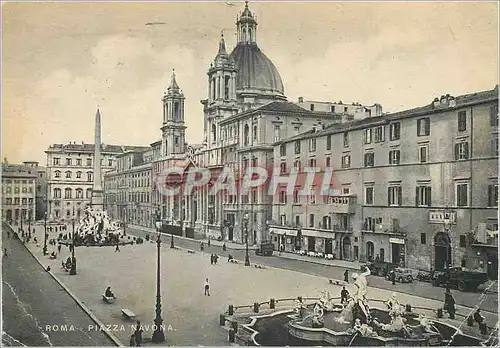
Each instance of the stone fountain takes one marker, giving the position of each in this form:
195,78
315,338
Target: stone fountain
328,322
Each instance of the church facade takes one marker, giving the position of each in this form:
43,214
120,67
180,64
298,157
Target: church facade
245,113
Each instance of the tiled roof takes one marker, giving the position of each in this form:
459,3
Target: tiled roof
282,107
18,170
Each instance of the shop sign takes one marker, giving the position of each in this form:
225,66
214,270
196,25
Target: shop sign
440,216
396,240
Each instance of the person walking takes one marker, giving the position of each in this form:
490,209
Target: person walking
59,246
224,247
208,241
207,287
216,258
117,247
211,259
138,334
344,294
449,303
346,276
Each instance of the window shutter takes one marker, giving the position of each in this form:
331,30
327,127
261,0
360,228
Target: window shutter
490,195
429,195
398,158
389,196
400,195
419,122
417,196
390,157
493,116
456,151
427,126
466,150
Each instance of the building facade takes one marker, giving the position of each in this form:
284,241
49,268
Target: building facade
18,192
127,189
417,187
41,189
70,176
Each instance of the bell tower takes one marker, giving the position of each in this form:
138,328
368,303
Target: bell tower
173,127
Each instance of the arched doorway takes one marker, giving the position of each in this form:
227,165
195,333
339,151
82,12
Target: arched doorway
346,248
370,251
382,255
442,250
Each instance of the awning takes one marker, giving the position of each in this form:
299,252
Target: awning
283,231
318,234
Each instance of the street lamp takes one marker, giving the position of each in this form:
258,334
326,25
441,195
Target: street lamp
245,221
124,222
29,224
22,230
158,334
45,234
72,271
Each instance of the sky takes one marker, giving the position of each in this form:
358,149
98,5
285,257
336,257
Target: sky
62,60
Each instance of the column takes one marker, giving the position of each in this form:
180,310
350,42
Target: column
209,89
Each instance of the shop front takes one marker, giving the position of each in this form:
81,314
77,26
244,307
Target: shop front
397,251
284,239
320,241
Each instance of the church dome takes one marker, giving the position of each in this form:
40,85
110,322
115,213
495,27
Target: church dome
256,72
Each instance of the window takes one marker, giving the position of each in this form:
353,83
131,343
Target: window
346,139
346,190
395,131
494,115
394,195
494,146
282,219
345,109
312,162
24,201
493,195
254,162
296,164
78,175
312,145
246,136
79,193
67,193
226,87
369,224
296,196
327,161
296,130
176,141
379,134
311,107
394,157
277,133
423,196
89,176
329,142
369,195
254,133
463,241
423,238
78,161
68,174
462,197
8,201
369,159
423,127
462,121
297,147
332,108
16,201
346,161
368,136
254,196
311,220
89,161
282,197
461,151
57,174
282,167
56,161
68,161
423,153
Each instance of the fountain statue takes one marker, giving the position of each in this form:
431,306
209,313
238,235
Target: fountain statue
317,319
357,305
396,312
326,302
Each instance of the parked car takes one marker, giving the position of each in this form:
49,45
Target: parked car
425,276
459,278
265,249
381,268
403,275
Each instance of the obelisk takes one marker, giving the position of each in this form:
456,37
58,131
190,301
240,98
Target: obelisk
97,198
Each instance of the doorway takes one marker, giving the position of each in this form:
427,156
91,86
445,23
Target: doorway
382,255
442,251
311,244
396,253
346,248
370,251
328,246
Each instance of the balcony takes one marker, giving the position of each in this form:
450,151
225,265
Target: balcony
342,204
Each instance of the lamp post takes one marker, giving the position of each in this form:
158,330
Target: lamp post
29,224
158,334
125,222
22,230
72,271
245,221
45,234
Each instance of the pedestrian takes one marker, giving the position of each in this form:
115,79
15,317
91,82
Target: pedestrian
344,294
208,241
5,252
393,277
117,247
138,334
346,276
215,259
211,259
59,246
207,287
132,340
224,247
478,318
202,246
449,303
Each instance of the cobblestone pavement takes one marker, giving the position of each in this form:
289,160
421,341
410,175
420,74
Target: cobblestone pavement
469,299
36,310
190,317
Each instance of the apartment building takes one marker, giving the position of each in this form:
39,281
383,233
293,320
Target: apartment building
417,187
18,192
